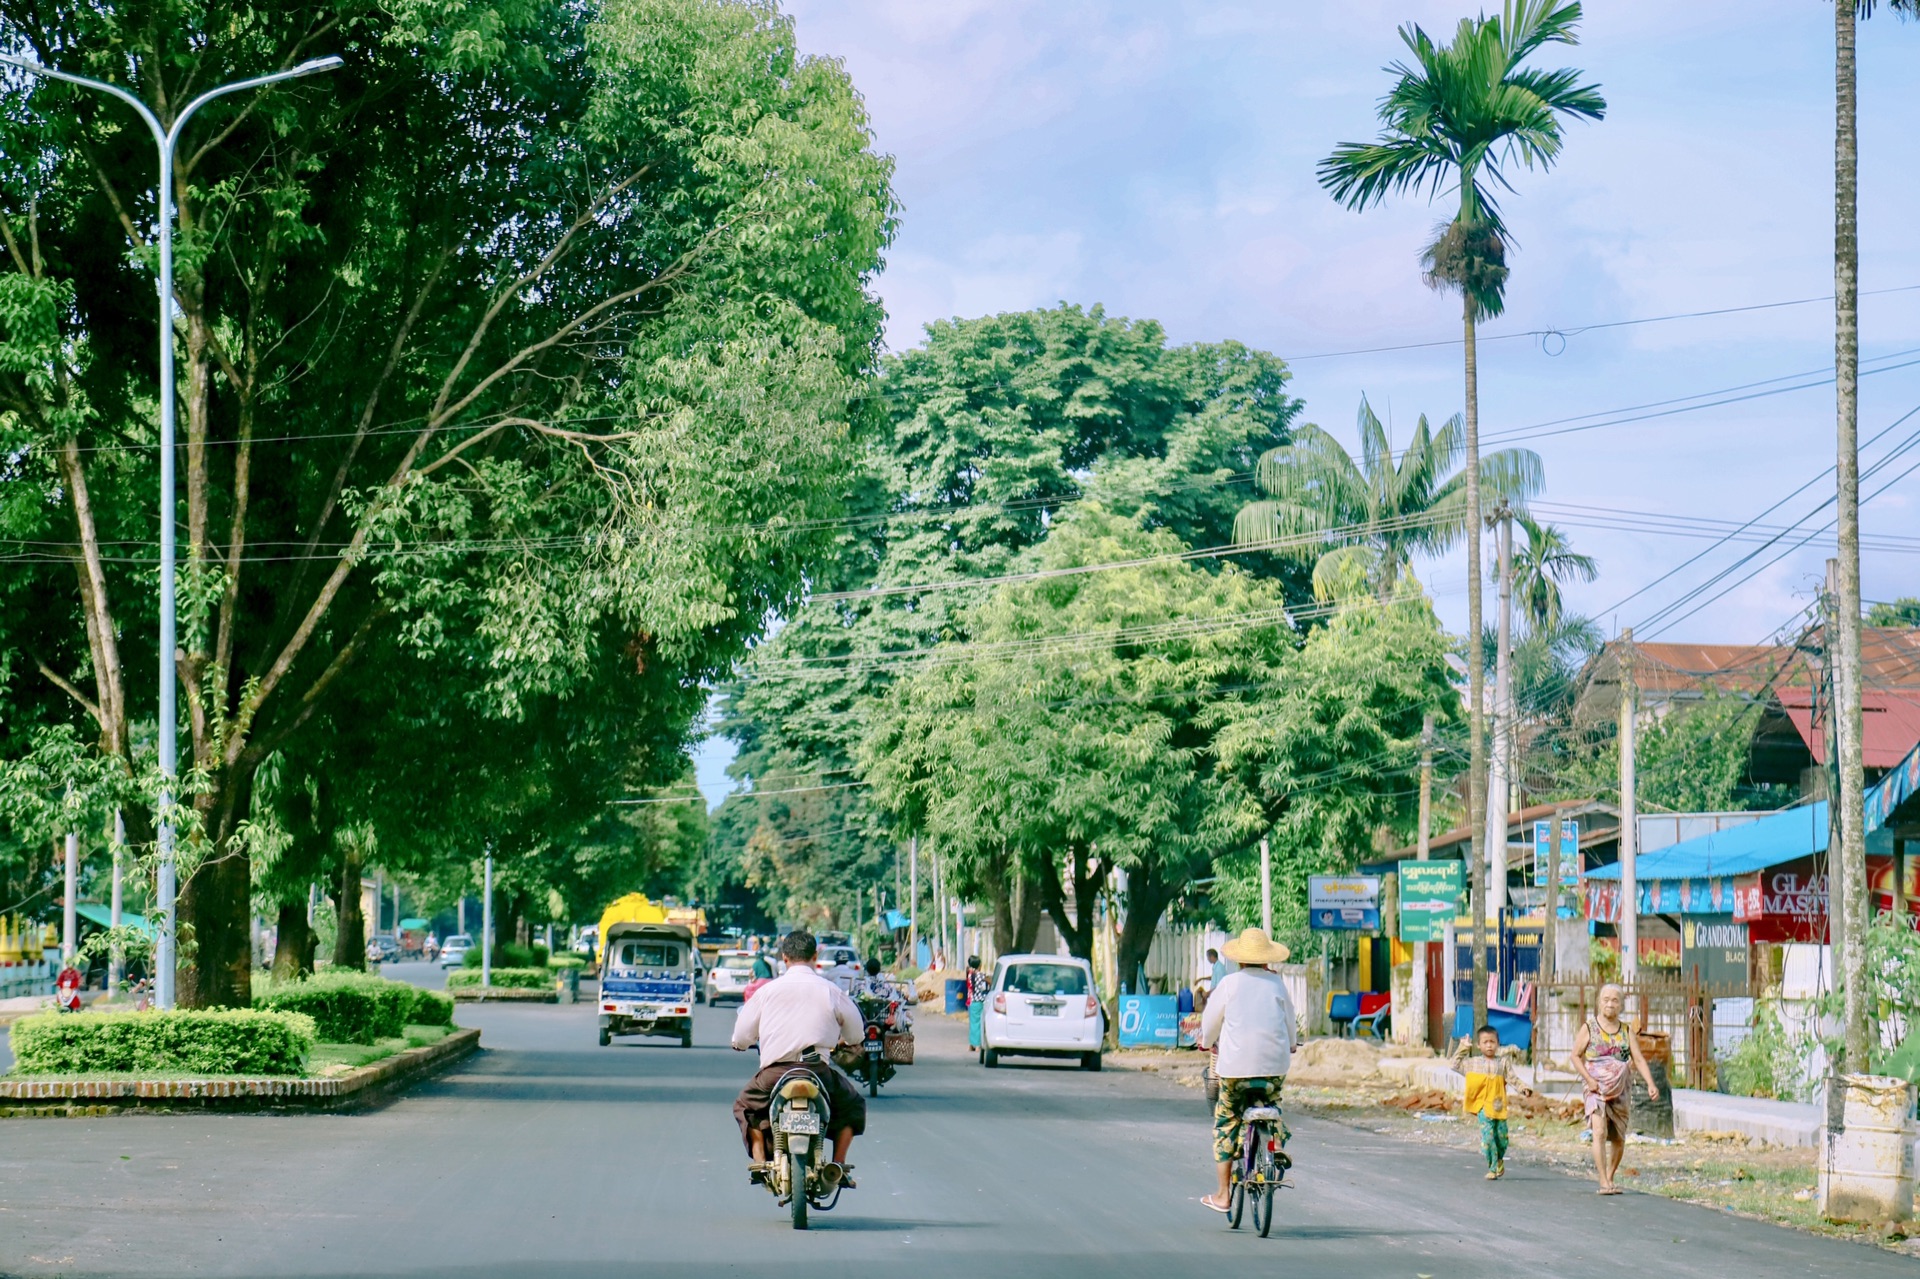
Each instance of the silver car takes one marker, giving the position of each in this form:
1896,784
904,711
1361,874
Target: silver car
453,951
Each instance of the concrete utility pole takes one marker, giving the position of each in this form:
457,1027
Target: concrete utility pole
70,908
1629,926
913,901
1827,703
1550,934
1844,644
1418,1019
1266,887
116,955
1499,784
167,137
486,925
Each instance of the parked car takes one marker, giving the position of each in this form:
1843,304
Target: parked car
727,979
453,951
1042,1006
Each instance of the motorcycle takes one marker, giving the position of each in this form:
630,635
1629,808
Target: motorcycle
797,1149
867,1062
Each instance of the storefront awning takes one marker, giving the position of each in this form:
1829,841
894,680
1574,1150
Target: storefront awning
1739,850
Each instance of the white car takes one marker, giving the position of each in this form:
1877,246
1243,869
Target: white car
729,977
1042,1006
453,951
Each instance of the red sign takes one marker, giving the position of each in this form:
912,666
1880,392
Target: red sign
1793,904
1748,900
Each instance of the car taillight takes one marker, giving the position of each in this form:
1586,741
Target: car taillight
1000,1003
1093,1006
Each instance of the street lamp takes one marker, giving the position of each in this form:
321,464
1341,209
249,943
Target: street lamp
166,138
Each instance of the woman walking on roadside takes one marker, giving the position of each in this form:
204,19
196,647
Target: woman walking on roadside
978,985
1604,1054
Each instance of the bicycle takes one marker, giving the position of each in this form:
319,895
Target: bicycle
1261,1170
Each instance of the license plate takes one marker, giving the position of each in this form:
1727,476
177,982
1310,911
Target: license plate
1046,1010
800,1121
645,1010
873,1048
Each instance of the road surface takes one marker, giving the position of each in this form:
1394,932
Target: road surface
549,1156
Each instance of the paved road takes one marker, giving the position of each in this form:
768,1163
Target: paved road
550,1156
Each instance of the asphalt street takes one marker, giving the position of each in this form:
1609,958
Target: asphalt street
547,1155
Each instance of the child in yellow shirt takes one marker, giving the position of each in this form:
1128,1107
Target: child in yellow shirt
1488,1075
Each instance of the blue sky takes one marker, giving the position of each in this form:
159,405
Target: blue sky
1158,158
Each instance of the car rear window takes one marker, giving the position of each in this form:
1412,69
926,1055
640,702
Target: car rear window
739,963
647,954
1046,979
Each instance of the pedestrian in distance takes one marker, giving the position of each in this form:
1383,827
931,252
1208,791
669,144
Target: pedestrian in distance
1605,1052
978,986
1216,967
1250,1020
1488,1070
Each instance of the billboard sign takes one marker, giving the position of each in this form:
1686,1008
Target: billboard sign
1429,897
1344,903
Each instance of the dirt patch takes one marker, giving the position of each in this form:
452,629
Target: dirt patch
1335,1062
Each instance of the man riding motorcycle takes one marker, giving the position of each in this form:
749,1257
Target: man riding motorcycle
797,1019
1250,1020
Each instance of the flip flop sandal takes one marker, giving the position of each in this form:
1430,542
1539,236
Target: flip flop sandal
1208,1203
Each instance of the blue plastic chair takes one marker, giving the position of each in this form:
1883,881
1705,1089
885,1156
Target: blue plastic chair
1342,1012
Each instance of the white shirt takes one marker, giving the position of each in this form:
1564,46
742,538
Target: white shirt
1250,1016
794,1012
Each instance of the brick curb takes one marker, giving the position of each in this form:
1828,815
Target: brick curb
65,1098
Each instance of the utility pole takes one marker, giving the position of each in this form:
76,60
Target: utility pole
117,955
1499,785
1266,888
1629,926
1418,1018
913,900
1550,929
70,908
486,925
1844,644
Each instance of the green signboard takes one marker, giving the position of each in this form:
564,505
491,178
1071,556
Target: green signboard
1429,896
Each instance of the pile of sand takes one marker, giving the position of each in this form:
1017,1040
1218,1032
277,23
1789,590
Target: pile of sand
1335,1061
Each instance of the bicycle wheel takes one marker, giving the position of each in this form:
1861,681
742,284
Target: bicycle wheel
1268,1191
1236,1204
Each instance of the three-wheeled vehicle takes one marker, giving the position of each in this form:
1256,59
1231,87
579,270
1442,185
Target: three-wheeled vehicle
647,981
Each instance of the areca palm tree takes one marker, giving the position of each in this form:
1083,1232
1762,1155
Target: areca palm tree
1459,115
1851,870
1547,560
1362,520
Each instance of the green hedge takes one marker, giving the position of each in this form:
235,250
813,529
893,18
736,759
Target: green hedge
235,1041
509,955
505,978
561,962
358,1008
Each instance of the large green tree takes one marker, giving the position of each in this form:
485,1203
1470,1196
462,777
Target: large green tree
523,345
1460,114
991,430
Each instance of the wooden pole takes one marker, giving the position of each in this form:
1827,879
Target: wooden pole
1629,927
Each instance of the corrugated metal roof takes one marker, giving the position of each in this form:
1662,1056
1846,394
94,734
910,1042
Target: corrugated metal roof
1781,837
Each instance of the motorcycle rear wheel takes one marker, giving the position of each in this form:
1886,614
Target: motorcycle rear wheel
797,1183
873,1076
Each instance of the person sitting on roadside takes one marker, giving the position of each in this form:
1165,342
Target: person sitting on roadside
1250,1020
797,1020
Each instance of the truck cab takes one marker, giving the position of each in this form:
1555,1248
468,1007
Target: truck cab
647,980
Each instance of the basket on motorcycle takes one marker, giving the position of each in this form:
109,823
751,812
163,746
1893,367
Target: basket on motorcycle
898,1048
849,1057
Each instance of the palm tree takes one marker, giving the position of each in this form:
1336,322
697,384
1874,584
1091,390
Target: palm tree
1547,560
1363,521
1851,866
1457,115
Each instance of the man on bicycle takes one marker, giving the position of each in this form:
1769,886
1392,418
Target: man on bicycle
1249,1021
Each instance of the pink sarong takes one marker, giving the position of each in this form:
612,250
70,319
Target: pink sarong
1609,1101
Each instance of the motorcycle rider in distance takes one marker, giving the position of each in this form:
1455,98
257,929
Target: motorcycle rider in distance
797,1019
883,987
1250,1019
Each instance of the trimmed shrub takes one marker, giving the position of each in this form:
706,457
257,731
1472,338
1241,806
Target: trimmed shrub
504,978
347,1008
430,1008
560,963
226,1041
509,954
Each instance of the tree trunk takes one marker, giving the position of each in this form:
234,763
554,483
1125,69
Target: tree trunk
215,966
1147,901
350,937
1084,878
1002,914
1476,669
293,943
1845,644
1026,917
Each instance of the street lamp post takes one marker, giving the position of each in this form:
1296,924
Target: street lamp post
166,138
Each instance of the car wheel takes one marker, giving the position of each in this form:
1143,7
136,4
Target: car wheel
1090,1061
990,1057
606,1036
686,1037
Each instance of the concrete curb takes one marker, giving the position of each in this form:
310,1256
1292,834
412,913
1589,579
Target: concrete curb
81,1098
502,995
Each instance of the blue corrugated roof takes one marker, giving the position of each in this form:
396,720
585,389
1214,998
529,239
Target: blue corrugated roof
1797,832
897,921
